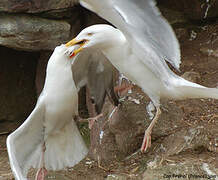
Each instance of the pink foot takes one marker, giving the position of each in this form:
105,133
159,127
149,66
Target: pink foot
123,89
146,142
41,173
93,119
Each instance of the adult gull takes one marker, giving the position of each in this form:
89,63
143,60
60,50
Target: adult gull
139,47
49,138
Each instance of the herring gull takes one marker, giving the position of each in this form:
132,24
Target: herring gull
49,138
139,47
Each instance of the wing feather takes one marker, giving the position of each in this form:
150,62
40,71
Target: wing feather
94,70
24,144
147,32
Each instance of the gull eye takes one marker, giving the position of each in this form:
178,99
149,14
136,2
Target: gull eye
90,34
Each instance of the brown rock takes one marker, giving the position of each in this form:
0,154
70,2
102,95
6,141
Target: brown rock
103,145
123,133
33,6
32,33
194,9
209,52
192,76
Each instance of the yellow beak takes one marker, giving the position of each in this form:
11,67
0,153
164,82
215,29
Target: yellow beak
73,42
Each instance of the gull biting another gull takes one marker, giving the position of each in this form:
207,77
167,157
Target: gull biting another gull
49,138
94,71
139,47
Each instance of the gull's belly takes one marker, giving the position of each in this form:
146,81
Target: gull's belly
61,103
138,73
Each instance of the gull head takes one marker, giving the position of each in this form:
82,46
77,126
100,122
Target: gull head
99,36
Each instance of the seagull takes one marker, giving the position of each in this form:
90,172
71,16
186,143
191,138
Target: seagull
49,138
139,46
93,70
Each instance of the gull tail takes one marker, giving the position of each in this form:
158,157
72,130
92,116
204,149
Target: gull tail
64,148
183,89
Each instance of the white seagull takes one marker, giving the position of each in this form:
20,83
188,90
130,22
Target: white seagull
49,138
139,49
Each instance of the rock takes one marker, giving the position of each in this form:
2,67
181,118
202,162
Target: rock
34,6
122,135
103,147
55,176
31,33
181,33
132,120
41,70
186,170
187,138
17,92
61,13
194,9
192,76
209,52
116,177
172,16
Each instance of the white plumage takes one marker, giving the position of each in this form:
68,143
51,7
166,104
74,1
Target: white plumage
50,123
139,49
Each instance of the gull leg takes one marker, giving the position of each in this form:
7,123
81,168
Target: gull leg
100,166
93,119
123,89
41,173
90,104
90,120
147,137
91,108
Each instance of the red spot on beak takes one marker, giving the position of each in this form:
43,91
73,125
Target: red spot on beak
72,55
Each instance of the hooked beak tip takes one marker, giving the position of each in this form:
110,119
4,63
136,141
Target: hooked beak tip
71,43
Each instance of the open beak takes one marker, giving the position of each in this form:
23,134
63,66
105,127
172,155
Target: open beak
73,42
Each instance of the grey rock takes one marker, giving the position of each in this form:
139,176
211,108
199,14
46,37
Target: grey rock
69,13
31,33
33,6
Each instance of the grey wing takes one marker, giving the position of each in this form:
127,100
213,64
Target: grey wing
24,144
149,34
101,80
80,69
93,70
